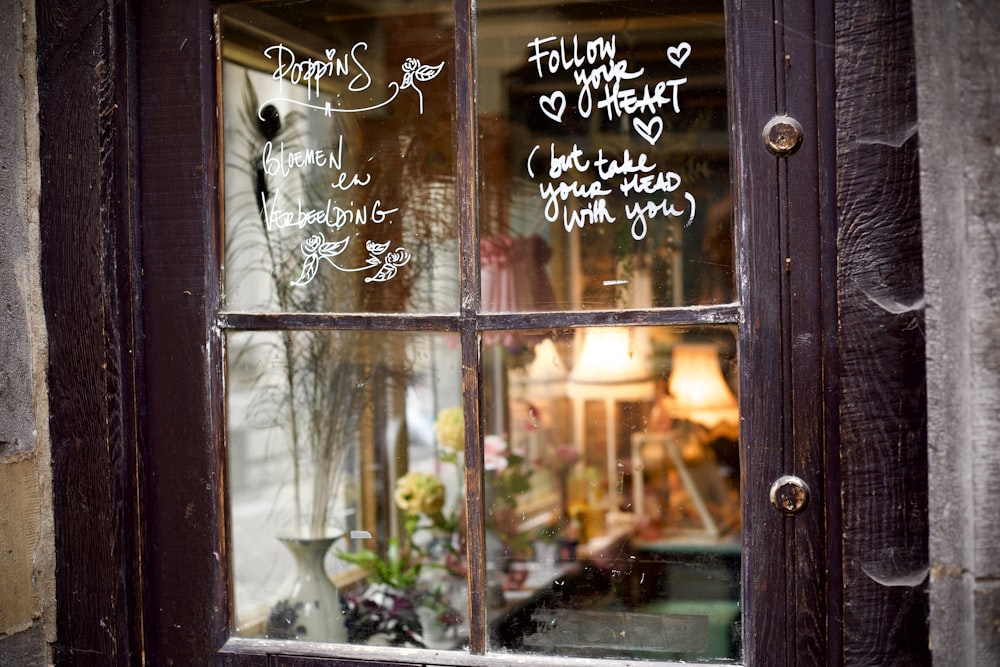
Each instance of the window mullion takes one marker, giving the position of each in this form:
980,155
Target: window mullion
466,188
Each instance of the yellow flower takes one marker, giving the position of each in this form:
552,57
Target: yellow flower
419,493
450,428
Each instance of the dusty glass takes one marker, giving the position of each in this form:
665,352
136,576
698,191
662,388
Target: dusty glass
612,487
604,155
353,437
611,454
339,170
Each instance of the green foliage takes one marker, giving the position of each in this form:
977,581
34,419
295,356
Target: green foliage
400,568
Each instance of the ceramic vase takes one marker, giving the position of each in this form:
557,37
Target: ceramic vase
309,608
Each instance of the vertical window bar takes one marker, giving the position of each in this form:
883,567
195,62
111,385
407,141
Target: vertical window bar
474,510
466,171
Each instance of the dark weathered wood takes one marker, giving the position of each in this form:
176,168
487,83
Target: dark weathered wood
826,125
786,218
803,225
725,314
87,239
752,103
266,321
185,557
880,290
467,191
224,659
89,248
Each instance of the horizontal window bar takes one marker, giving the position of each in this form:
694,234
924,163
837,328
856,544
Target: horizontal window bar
692,315
359,321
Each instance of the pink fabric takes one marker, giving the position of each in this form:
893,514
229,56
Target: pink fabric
513,274
513,279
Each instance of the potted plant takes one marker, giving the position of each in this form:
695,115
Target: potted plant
399,604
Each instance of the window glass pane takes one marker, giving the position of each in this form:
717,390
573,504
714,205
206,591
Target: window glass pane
338,157
604,155
612,486
331,434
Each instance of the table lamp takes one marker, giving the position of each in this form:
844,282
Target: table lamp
699,392
701,404
608,368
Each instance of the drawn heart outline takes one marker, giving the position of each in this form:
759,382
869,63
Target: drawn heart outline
650,131
553,105
678,54
331,54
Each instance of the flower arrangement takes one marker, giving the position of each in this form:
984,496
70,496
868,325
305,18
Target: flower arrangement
449,429
508,476
421,495
382,611
391,604
410,583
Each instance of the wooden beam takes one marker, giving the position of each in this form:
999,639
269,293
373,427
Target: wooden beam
880,293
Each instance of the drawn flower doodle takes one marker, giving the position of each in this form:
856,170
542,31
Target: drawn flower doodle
414,70
375,249
314,249
390,265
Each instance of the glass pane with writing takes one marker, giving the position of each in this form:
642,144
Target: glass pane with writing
338,157
604,155
351,441
612,487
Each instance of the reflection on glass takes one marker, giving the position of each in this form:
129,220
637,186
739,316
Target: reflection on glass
332,435
612,478
604,155
338,159
611,454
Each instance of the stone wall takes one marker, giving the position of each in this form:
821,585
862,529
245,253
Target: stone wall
958,84
27,604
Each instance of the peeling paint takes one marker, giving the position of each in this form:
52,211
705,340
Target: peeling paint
909,579
892,139
893,305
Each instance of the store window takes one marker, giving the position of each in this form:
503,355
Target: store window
481,327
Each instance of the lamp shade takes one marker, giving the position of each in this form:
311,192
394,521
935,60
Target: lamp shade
700,393
545,376
610,366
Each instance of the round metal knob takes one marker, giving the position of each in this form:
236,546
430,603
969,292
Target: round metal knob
789,495
782,135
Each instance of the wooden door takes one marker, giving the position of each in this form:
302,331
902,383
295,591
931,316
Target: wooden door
792,360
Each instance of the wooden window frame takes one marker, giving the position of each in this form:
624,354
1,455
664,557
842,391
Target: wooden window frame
468,322
130,368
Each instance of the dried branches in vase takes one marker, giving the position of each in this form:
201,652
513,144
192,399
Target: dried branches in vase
319,386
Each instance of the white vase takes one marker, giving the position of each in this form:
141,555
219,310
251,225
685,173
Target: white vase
309,608
435,633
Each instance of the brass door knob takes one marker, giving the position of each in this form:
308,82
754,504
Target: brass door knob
782,135
789,495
